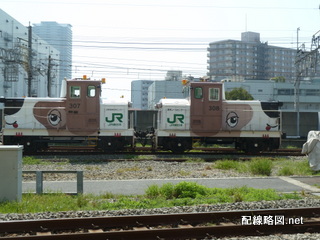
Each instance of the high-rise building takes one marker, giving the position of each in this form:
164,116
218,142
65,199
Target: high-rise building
174,75
59,36
249,59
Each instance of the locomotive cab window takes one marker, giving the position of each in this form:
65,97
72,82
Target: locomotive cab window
91,91
214,94
75,91
198,93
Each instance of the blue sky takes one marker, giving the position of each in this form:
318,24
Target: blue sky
125,40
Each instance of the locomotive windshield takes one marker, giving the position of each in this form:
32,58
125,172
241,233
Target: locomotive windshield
214,94
75,91
91,91
198,92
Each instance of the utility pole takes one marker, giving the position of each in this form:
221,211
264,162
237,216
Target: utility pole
49,77
29,60
306,66
297,89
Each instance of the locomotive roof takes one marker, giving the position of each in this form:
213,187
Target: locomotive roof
206,83
119,101
174,101
82,80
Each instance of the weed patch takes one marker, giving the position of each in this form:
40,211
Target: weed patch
261,166
286,171
227,165
294,167
268,167
167,195
29,160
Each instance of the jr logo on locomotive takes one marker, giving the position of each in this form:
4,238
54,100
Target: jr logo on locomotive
115,118
175,118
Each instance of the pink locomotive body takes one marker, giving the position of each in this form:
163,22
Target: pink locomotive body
79,116
208,118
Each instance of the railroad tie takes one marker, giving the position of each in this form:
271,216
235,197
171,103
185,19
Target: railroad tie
227,224
43,233
140,228
185,226
95,230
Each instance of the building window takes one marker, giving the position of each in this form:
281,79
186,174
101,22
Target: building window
285,91
312,92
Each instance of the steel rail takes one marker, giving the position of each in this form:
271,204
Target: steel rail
201,151
106,225
181,233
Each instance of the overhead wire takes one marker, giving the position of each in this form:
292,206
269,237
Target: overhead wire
163,44
183,5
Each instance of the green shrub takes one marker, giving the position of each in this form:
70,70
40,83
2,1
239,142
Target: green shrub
180,190
295,167
260,167
286,171
166,191
227,164
189,190
303,168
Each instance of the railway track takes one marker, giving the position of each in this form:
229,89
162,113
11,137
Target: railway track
147,151
168,226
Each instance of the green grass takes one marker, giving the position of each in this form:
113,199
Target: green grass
291,167
268,166
228,165
167,195
261,167
30,160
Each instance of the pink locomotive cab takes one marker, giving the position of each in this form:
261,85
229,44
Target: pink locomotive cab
206,108
75,113
82,107
252,126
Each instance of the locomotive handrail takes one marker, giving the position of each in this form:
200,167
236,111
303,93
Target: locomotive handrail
39,178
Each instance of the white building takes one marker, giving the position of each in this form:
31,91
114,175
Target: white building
139,93
164,89
20,66
309,97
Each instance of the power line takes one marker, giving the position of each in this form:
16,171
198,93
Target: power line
103,3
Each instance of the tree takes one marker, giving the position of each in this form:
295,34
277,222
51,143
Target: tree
279,79
238,94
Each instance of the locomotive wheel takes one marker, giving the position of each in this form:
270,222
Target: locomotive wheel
178,145
177,148
111,144
253,146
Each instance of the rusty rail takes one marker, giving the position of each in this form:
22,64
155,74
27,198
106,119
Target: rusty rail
197,151
165,226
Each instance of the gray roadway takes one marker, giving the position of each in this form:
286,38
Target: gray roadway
129,187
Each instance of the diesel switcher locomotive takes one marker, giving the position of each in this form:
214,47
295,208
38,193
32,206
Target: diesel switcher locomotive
81,116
